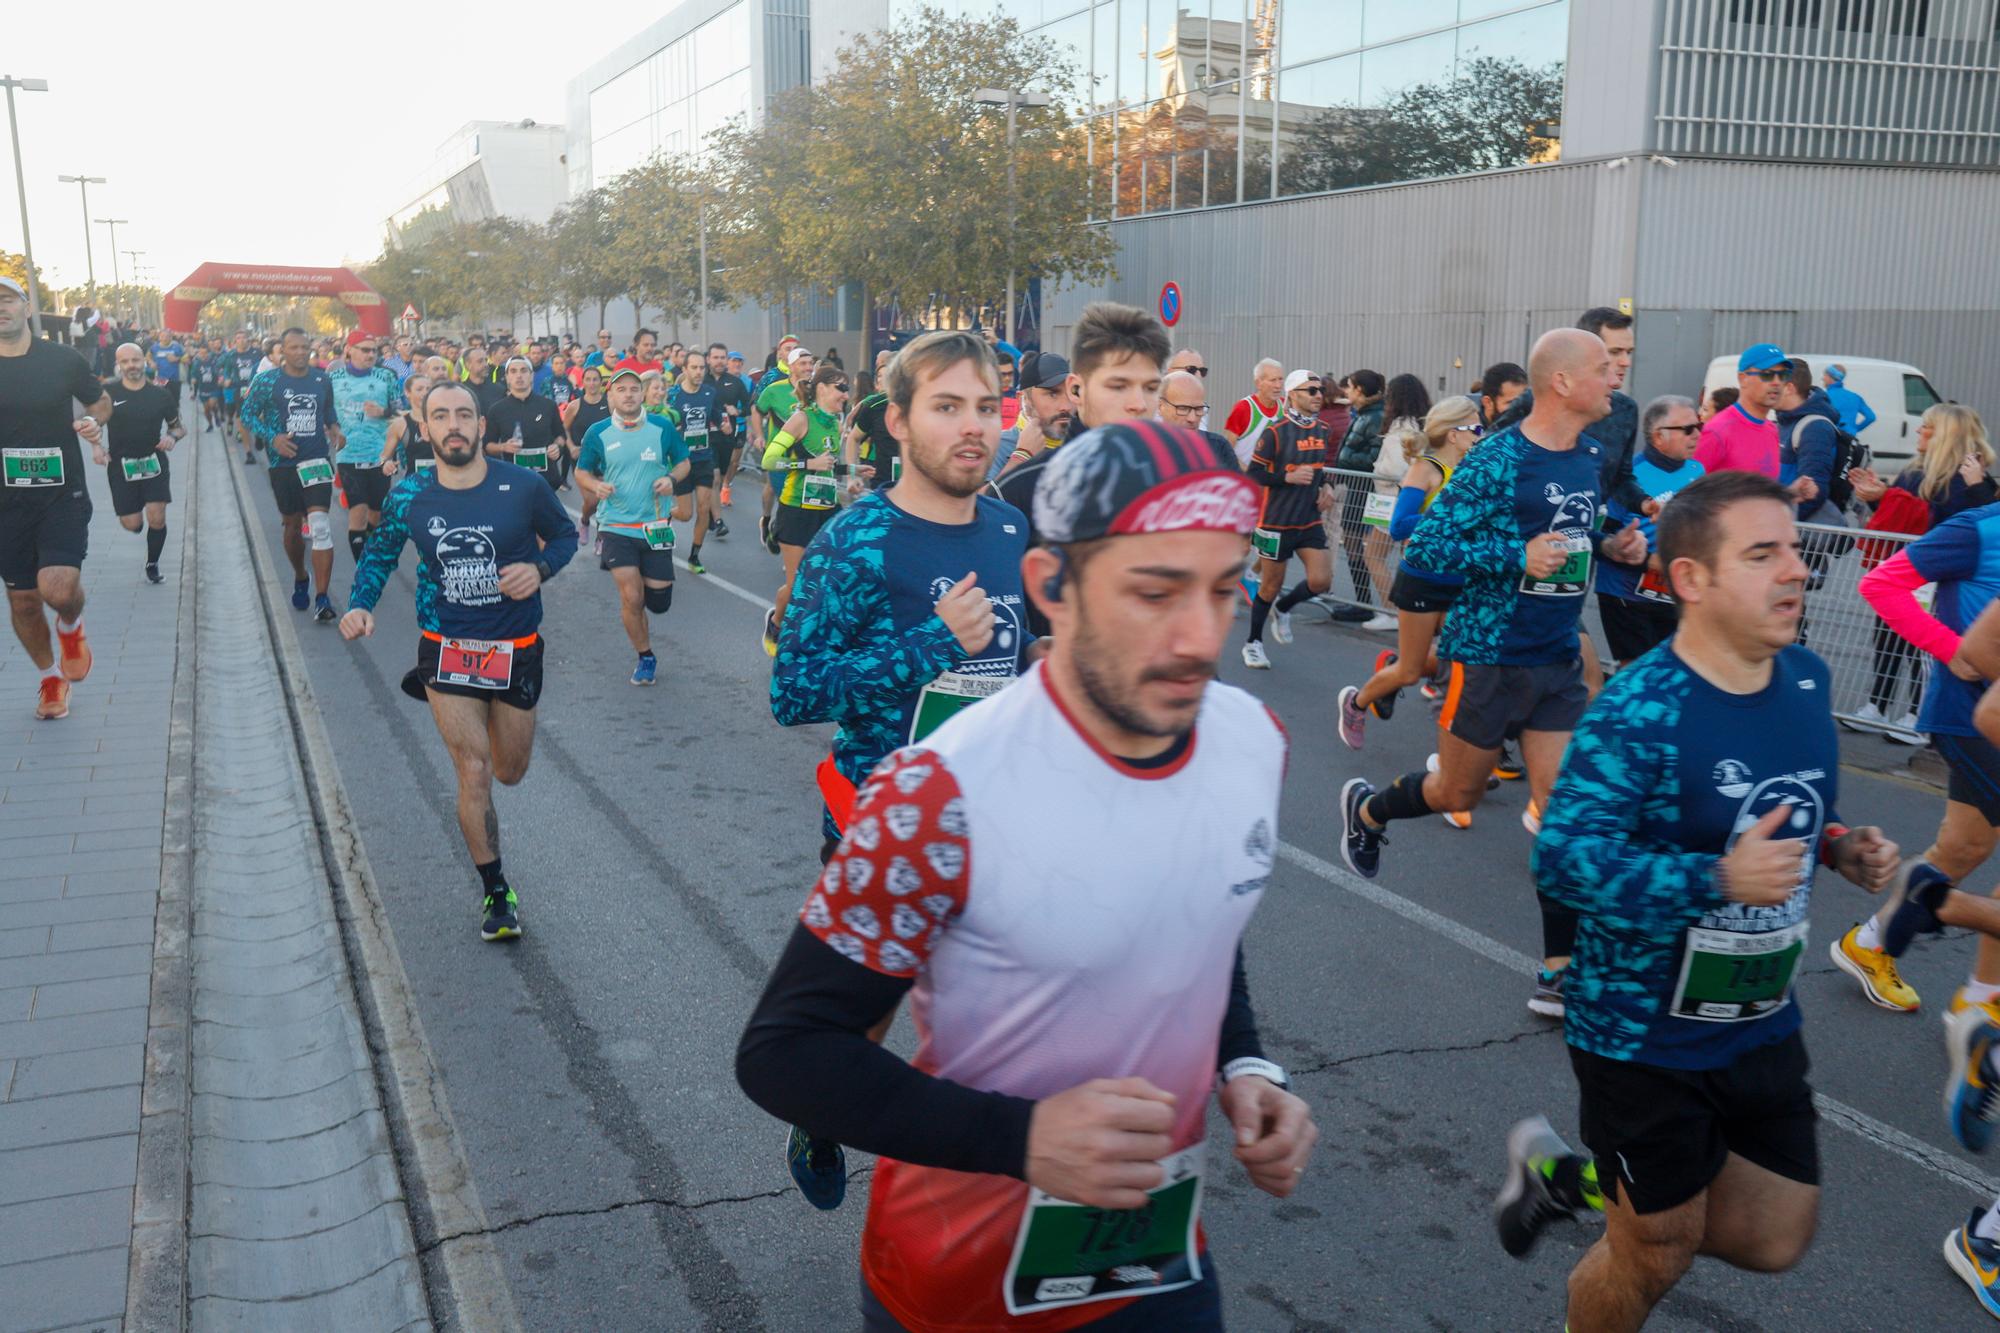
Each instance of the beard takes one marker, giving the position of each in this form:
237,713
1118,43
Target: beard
939,473
1117,701
455,450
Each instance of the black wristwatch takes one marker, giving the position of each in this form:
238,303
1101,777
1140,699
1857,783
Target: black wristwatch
543,568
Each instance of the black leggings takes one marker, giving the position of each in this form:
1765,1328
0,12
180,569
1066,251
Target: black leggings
1893,653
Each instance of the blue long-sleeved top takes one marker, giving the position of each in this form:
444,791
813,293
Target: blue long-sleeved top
1808,444
1853,409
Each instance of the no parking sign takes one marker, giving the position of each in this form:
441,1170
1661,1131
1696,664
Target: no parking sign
1170,304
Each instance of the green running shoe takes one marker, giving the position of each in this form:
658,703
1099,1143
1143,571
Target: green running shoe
502,915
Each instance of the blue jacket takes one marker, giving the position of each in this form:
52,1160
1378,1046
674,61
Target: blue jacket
1805,450
1852,409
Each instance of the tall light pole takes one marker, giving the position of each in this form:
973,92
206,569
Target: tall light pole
84,183
9,82
114,224
139,304
1011,99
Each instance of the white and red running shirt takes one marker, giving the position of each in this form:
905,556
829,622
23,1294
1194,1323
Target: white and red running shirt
1067,916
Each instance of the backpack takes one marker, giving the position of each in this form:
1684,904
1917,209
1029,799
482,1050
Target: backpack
1848,452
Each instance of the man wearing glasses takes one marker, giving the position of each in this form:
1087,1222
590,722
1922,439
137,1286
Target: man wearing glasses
1189,360
365,395
601,354
1633,602
1184,397
1744,435
1290,462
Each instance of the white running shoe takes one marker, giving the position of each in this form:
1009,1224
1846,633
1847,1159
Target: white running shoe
1253,656
1380,622
1904,731
1281,627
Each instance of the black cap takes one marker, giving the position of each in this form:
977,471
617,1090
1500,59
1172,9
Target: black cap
1043,370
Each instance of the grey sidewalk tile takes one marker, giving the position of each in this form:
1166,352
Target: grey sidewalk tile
104,881
73,1225
17,1005
101,934
224,1162
28,837
138,860
49,759
141,814
15,943
79,1032
27,808
294,1210
98,907
73,1289
23,791
27,890
71,1117
79,965
110,839
78,1071
68,1168
90,997
276,1269
118,805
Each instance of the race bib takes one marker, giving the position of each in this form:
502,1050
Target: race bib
138,469
1731,977
1067,1254
821,491
535,460
1377,510
315,472
948,694
1266,543
659,534
1571,579
33,467
895,469
479,663
427,464
1653,587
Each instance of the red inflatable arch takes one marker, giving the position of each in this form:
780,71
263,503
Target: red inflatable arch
183,304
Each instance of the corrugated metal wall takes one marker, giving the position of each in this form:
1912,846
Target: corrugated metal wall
1443,277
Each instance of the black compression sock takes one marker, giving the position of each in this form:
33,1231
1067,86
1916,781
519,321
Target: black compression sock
489,875
1260,611
1299,592
1401,799
356,539
156,542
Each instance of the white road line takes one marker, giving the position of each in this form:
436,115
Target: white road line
713,580
1884,1136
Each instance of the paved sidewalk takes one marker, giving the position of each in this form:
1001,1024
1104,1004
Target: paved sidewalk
81,807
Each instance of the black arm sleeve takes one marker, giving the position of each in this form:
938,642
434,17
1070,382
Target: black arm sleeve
1239,1020
805,1057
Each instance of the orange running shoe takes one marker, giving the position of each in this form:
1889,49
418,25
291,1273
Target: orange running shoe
75,653
54,702
725,495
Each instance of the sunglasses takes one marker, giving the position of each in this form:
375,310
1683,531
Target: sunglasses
1196,370
1767,375
1681,430
1472,428
838,386
1310,388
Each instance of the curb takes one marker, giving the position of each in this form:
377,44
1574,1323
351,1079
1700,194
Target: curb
156,1295
462,1266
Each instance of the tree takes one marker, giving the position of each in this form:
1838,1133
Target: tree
1480,120
15,266
584,271
654,221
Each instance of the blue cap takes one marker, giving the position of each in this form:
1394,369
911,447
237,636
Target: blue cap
735,356
1764,356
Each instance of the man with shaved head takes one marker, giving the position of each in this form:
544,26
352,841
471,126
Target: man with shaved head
1520,525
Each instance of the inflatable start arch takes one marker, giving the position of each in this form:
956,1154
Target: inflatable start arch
183,304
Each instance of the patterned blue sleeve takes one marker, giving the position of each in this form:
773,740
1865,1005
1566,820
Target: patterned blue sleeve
385,545
260,406
1470,527
1621,766
839,654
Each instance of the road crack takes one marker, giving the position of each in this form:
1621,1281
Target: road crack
1323,1066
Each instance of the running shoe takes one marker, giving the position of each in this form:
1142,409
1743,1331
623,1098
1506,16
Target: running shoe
1547,999
1281,627
248,458
1458,819
1977,1260
694,561
1360,845
1531,819
153,574
1525,1206
73,653
1381,623
1918,892
53,703
819,1168
723,495
1353,721
502,915
771,632
1876,971
1351,615
1254,656
1432,691
1508,766
1971,1095
647,669
301,594
770,527
1385,707
719,528
323,610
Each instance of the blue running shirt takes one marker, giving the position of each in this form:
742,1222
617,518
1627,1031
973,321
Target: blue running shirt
1962,556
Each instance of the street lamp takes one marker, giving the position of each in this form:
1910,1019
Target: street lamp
84,183
114,224
10,83
139,305
1011,99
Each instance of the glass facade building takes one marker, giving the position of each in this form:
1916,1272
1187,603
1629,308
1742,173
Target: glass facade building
675,98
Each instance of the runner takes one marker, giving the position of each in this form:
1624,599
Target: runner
145,423
642,358
1248,420
1063,1065
203,369
1699,792
476,523
167,353
1520,524
872,457
585,411
44,502
1289,461
364,402
602,354
776,402
803,454
524,428
292,408
629,464
406,452
732,398
477,371
697,402
908,608
239,369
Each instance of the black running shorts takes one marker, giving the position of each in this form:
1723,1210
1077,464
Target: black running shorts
132,497
794,526
294,499
522,693
42,534
365,485
701,472
619,549
1418,593
1661,1136
1633,628
1974,765
1484,704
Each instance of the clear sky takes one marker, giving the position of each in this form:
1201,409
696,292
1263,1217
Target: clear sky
261,133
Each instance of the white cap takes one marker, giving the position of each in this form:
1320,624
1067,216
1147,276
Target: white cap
1298,379
14,287
795,354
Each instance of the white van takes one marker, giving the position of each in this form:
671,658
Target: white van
1899,393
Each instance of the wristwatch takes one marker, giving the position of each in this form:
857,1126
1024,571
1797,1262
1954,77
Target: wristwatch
1250,1064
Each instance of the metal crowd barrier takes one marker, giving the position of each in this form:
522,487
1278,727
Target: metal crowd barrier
1870,663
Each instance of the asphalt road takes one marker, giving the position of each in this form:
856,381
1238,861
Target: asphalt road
662,845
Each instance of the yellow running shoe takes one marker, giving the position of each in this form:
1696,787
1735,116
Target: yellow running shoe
1959,1003
1876,971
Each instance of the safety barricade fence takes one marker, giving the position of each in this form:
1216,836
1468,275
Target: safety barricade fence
1878,678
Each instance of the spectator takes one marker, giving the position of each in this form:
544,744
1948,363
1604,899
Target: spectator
1357,454
1717,399
1191,361
1499,389
1405,405
832,358
1010,397
1183,399
1252,416
1745,437
1853,410
1333,412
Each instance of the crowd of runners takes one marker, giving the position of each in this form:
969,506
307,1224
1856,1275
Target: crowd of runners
998,572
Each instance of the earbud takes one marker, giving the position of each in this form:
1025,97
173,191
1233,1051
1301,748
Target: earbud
1052,588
